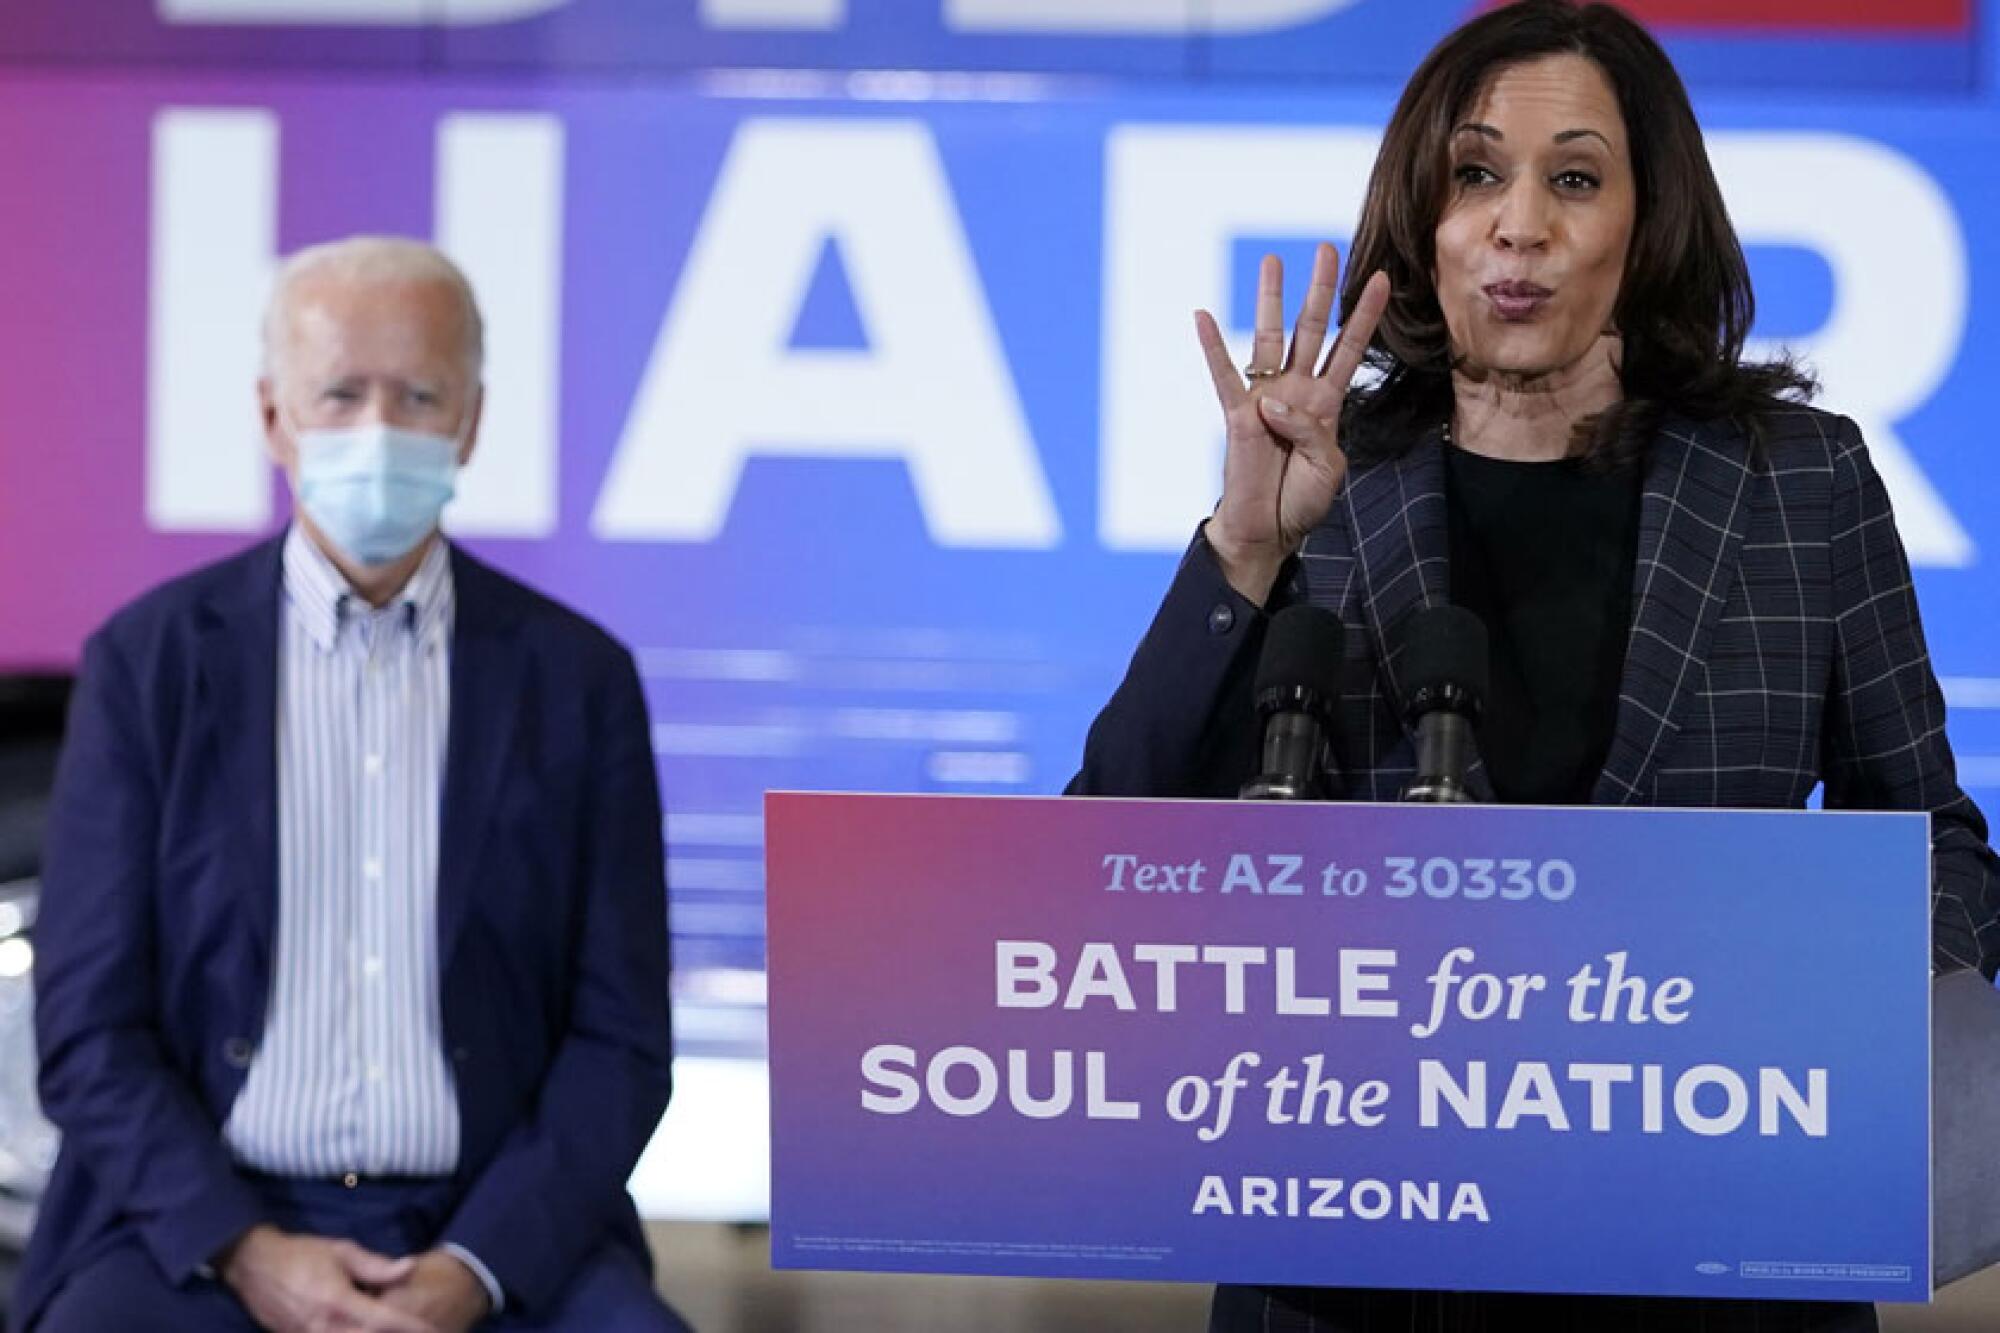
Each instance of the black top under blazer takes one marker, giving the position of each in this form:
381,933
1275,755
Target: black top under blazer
1774,645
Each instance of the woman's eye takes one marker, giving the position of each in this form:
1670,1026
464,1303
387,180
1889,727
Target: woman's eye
1472,174
1576,180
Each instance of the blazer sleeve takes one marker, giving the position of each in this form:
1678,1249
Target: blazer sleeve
545,1199
125,1110
1884,740
1183,722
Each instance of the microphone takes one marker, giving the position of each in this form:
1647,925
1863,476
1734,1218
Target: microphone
1444,671
1298,691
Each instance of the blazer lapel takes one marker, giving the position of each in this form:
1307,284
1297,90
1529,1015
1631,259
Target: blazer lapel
1400,527
238,671
1692,516
488,669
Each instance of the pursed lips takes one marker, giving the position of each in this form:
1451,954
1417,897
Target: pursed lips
1517,300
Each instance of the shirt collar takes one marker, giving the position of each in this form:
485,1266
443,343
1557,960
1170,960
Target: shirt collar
322,598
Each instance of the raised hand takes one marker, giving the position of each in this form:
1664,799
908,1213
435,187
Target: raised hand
1283,466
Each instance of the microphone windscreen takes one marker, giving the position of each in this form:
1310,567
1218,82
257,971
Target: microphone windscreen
1443,649
1304,650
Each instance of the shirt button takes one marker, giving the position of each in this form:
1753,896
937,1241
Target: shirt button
237,1052
372,765
1222,618
374,1073
372,867
372,966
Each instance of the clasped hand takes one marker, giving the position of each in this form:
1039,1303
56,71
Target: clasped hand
312,1284
1283,465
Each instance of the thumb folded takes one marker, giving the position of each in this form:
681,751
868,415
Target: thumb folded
1288,421
377,1270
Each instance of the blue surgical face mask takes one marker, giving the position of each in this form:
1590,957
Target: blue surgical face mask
375,490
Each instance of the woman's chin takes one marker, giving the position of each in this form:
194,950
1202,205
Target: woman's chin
1526,358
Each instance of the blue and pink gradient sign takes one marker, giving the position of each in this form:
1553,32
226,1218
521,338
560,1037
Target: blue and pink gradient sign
1631,1052
1925,46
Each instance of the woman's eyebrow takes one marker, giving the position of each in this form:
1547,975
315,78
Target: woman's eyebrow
1485,131
1568,135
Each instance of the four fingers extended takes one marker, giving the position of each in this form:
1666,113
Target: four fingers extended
1269,355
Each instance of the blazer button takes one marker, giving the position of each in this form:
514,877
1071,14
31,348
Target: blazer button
237,1052
1222,619
460,1054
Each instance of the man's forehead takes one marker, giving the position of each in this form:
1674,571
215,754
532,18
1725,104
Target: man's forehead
344,300
336,316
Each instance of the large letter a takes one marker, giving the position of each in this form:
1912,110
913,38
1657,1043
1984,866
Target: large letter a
931,389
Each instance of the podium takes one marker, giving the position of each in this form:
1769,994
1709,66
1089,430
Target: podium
1965,1126
1639,1052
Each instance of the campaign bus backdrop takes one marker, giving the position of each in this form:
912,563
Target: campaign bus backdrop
840,357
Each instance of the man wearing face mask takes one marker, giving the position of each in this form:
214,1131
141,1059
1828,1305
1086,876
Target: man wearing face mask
352,980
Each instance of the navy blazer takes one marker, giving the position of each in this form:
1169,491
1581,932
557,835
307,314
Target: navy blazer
155,939
1774,645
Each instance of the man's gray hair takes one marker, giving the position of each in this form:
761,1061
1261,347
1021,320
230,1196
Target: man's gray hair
369,259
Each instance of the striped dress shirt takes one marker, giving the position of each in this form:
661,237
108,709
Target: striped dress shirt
351,1076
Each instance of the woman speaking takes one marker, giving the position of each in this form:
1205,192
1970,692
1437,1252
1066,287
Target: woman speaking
1691,582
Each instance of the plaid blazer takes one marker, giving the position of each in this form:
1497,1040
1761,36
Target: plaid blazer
1774,646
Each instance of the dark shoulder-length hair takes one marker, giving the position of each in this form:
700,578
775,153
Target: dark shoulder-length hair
1684,305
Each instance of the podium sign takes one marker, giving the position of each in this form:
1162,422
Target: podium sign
1665,1052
